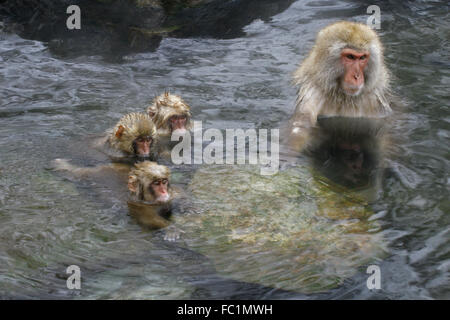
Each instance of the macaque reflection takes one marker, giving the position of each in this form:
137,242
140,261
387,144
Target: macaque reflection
348,150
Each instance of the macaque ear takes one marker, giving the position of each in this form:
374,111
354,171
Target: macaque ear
120,131
132,184
151,114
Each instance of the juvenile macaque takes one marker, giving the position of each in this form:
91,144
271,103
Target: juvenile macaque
151,197
134,136
170,113
149,182
343,75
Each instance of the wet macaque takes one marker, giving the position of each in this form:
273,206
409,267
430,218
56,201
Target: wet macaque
149,182
134,135
151,197
170,113
343,75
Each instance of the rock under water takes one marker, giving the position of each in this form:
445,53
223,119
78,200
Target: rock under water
287,231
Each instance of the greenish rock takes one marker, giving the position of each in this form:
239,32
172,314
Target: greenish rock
289,231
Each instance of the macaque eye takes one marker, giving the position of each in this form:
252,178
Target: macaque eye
144,139
363,57
351,57
174,118
156,182
165,181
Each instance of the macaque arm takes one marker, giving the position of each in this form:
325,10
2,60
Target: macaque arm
299,130
147,215
65,165
172,233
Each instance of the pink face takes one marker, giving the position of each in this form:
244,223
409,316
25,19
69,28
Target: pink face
160,191
178,122
354,63
143,146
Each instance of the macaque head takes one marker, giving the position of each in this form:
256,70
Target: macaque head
354,63
134,135
170,114
149,182
346,60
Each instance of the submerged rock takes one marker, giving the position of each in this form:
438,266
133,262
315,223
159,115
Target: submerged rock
287,231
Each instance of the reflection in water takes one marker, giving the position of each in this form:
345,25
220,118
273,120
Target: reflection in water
348,151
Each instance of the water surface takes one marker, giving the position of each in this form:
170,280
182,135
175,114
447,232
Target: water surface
48,222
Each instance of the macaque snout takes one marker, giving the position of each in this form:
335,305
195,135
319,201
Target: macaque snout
354,63
160,190
353,156
143,146
178,123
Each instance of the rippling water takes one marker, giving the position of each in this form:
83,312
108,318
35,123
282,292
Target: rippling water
46,103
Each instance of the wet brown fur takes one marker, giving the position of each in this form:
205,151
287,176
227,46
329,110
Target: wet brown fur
165,106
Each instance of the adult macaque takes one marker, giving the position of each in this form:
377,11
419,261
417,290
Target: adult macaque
134,136
343,75
170,113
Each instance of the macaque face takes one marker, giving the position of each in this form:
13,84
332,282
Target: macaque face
354,63
352,156
142,146
178,123
159,188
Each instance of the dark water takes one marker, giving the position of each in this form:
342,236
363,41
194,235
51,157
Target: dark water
48,223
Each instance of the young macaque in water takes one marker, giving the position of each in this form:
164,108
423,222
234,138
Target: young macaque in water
132,138
343,75
171,115
151,197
